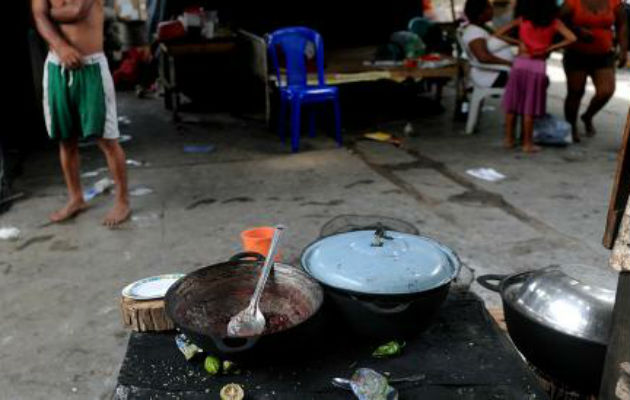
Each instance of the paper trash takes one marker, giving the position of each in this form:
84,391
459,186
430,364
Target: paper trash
486,174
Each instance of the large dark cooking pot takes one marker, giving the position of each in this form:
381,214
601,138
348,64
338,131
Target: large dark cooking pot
384,283
559,318
202,303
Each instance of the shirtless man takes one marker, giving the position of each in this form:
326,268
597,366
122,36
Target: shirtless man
79,98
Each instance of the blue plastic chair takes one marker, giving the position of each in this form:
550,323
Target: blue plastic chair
295,91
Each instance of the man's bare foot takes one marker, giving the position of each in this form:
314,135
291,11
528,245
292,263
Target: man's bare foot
588,125
509,143
69,211
532,149
117,215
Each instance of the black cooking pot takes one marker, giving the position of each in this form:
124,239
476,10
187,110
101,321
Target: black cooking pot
202,303
559,318
384,283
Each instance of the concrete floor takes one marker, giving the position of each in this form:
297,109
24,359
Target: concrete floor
61,332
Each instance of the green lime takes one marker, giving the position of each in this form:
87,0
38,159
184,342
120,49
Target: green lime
212,365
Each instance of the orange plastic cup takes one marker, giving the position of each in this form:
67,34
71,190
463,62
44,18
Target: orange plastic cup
258,240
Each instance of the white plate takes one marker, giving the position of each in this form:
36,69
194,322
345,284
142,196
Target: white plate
154,287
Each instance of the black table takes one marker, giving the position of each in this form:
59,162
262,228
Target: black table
463,355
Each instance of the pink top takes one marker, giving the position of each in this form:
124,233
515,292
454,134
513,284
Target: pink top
537,38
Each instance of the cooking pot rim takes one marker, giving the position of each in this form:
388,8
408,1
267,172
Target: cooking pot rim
522,277
236,264
451,254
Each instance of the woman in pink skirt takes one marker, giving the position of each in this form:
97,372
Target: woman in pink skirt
526,90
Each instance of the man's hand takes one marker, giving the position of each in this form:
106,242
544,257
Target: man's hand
69,56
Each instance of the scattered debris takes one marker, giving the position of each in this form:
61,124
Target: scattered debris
9,233
486,174
199,149
99,187
232,391
136,163
188,349
90,174
33,240
140,190
389,349
367,384
124,138
200,202
124,120
212,365
146,219
383,137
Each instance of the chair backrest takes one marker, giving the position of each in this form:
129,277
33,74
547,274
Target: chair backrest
471,58
419,25
460,39
293,42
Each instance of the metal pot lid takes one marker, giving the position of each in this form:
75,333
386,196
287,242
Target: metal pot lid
574,299
380,262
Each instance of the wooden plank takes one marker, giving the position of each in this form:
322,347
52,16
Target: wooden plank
620,192
618,350
145,315
186,49
499,317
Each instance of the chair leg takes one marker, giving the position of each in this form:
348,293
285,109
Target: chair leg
311,122
473,110
282,120
337,110
295,125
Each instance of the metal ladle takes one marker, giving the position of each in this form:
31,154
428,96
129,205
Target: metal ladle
250,321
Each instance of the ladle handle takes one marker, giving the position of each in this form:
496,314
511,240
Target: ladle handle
269,261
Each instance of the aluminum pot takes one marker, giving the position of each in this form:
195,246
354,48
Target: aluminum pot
202,303
559,318
384,283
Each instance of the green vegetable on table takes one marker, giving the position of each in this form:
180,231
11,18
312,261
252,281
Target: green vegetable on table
230,367
212,365
389,349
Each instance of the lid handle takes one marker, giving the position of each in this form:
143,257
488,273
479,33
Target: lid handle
379,236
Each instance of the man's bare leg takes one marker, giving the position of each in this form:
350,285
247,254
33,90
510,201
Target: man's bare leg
116,162
69,156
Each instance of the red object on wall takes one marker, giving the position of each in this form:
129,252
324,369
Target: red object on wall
169,30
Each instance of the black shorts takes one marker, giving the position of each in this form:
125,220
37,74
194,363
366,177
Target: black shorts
575,61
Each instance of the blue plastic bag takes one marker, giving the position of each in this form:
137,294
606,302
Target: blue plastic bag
551,130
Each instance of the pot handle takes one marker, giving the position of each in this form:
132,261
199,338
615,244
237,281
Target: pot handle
485,281
248,256
225,347
383,310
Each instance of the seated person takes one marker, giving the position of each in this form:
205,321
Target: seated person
483,47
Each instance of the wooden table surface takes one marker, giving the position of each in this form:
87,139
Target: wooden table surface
348,65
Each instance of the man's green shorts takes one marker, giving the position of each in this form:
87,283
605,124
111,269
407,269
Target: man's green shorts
80,102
